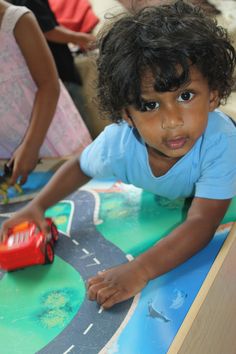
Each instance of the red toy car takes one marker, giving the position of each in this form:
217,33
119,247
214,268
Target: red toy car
26,245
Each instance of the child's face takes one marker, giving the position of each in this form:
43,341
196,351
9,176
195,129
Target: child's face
173,121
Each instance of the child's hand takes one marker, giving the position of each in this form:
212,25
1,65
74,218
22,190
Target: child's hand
28,213
24,160
117,284
85,40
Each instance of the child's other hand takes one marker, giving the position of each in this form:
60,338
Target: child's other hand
28,213
24,160
117,284
86,41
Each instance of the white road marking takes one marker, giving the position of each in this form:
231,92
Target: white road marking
129,257
69,349
100,310
92,264
88,329
87,255
64,233
96,261
69,223
85,251
96,219
75,242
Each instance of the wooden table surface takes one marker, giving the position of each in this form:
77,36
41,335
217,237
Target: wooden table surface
210,326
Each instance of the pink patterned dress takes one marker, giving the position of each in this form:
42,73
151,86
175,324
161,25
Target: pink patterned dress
67,133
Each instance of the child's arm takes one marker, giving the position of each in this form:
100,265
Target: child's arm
66,180
60,34
120,283
42,68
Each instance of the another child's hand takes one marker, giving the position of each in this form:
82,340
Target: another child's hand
85,40
29,213
24,160
117,284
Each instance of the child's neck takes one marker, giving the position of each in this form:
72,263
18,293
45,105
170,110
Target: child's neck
160,164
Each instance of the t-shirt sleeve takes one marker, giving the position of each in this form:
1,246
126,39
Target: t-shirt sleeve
42,11
218,177
94,160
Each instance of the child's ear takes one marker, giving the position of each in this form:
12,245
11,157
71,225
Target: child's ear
127,117
214,100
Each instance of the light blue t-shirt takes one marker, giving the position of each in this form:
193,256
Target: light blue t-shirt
208,170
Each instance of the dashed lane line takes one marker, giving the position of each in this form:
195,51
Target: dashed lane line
88,329
69,349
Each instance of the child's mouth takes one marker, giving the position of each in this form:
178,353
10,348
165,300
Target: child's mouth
177,143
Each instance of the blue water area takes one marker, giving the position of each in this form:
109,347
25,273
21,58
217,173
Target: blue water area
35,182
165,302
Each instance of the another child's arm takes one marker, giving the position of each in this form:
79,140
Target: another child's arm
42,68
124,281
66,180
60,34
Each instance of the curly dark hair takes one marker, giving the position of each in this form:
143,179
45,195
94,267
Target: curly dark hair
161,40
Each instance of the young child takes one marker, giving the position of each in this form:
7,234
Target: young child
162,74
29,90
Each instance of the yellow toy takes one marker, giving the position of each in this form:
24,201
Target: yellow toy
5,185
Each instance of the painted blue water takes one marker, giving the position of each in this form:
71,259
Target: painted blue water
35,182
165,302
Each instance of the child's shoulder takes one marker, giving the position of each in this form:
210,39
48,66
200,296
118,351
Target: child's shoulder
117,140
219,136
119,132
11,15
220,124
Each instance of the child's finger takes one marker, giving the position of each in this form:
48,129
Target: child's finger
2,236
7,225
112,300
104,294
14,177
94,289
23,178
9,165
44,227
94,280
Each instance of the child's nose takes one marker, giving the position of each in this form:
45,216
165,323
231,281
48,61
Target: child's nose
172,119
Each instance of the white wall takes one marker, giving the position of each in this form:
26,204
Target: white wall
101,7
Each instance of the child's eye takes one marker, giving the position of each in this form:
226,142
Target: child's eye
185,96
149,106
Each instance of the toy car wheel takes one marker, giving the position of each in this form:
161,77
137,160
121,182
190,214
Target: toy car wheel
54,232
49,253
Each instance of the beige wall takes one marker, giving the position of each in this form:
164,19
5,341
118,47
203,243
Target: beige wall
102,7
